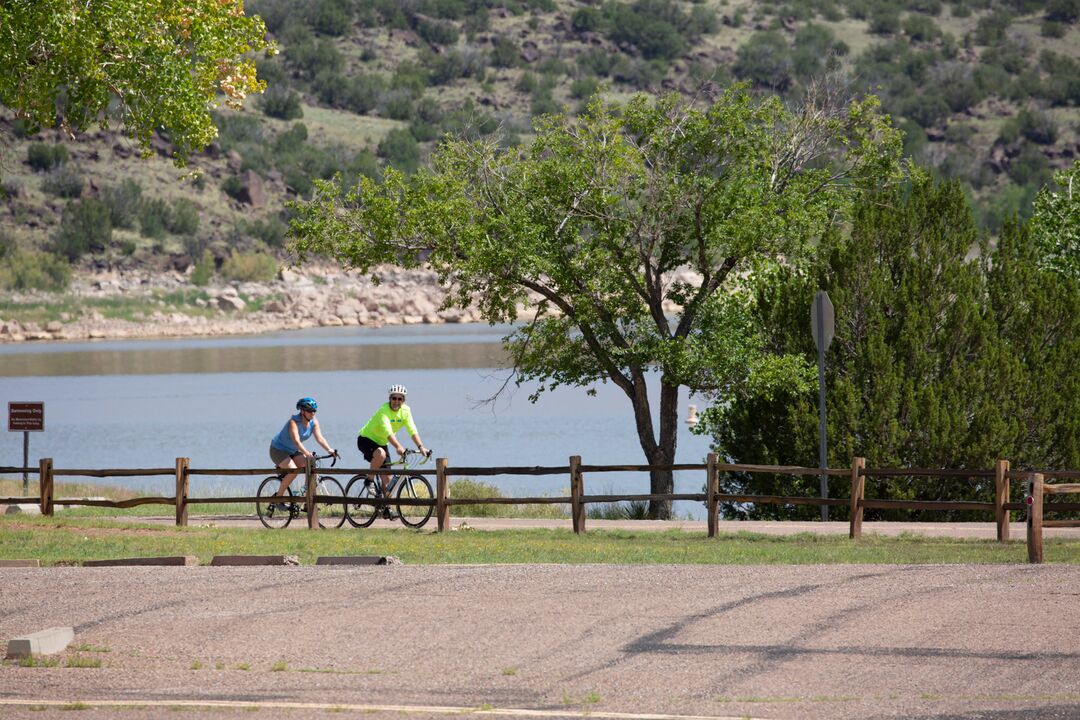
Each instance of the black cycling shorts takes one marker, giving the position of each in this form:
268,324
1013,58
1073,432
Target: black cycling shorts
368,446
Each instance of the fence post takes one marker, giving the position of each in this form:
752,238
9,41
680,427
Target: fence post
577,507
182,491
710,494
858,492
442,492
1001,496
312,511
45,485
1035,518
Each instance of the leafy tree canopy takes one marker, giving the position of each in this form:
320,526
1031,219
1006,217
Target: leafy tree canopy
939,361
625,232
151,64
1056,222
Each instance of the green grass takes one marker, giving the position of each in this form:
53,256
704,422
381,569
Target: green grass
65,540
127,307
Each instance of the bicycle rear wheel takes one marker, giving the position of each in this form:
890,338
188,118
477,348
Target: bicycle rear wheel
331,514
362,488
274,515
414,487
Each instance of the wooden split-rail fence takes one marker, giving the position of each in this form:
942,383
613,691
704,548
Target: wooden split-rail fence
1038,488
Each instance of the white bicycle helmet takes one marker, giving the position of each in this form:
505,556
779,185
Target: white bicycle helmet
398,390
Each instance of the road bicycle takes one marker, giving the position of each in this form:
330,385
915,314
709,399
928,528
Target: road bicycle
281,511
401,485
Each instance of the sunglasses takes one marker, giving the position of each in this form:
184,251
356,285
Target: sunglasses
398,397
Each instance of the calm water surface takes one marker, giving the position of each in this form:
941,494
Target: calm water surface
219,401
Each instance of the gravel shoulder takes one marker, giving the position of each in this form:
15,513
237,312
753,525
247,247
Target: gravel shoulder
716,641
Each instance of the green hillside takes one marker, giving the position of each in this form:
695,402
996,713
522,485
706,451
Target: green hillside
986,92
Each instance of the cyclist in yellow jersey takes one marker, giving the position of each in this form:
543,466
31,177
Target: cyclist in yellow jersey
380,431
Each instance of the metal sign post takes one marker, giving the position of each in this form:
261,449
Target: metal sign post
821,327
26,417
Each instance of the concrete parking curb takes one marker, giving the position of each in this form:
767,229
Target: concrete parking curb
252,560
43,642
125,562
358,560
19,563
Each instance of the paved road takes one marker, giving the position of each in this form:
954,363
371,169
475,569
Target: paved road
836,642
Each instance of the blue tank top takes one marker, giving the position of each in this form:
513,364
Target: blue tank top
283,440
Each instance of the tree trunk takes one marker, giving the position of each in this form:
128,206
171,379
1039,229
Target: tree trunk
662,452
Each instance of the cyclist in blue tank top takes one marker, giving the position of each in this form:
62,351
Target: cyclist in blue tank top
288,445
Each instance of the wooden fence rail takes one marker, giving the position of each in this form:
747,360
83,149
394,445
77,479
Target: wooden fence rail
576,471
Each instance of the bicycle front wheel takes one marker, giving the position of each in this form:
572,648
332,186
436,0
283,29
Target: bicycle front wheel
361,488
331,514
274,515
414,487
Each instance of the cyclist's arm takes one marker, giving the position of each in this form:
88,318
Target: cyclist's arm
294,433
317,432
419,443
397,445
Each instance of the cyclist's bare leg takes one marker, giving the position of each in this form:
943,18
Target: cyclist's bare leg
288,478
377,459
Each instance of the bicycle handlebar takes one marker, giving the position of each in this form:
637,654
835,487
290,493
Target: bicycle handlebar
324,457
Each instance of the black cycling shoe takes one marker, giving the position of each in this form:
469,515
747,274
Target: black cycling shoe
388,514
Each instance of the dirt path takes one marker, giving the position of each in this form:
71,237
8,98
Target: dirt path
543,641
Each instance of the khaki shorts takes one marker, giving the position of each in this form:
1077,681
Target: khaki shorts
277,456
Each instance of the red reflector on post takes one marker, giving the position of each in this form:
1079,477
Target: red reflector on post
1029,500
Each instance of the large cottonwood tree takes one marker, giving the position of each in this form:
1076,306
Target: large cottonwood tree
147,64
585,225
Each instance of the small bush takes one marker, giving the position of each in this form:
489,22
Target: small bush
249,267
65,181
469,489
282,103
203,270
505,53
184,218
85,227
123,201
1063,11
437,32
43,157
270,230
400,149
155,216
35,271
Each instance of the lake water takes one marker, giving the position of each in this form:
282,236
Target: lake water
218,401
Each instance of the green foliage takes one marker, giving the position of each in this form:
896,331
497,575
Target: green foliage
44,156
505,53
203,270
765,61
469,489
66,65
154,217
249,267
184,218
84,228
400,149
65,181
281,103
34,271
1063,11
933,364
1055,225
595,211
123,201
270,230
436,32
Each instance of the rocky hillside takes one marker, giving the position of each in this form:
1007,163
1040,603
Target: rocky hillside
986,91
